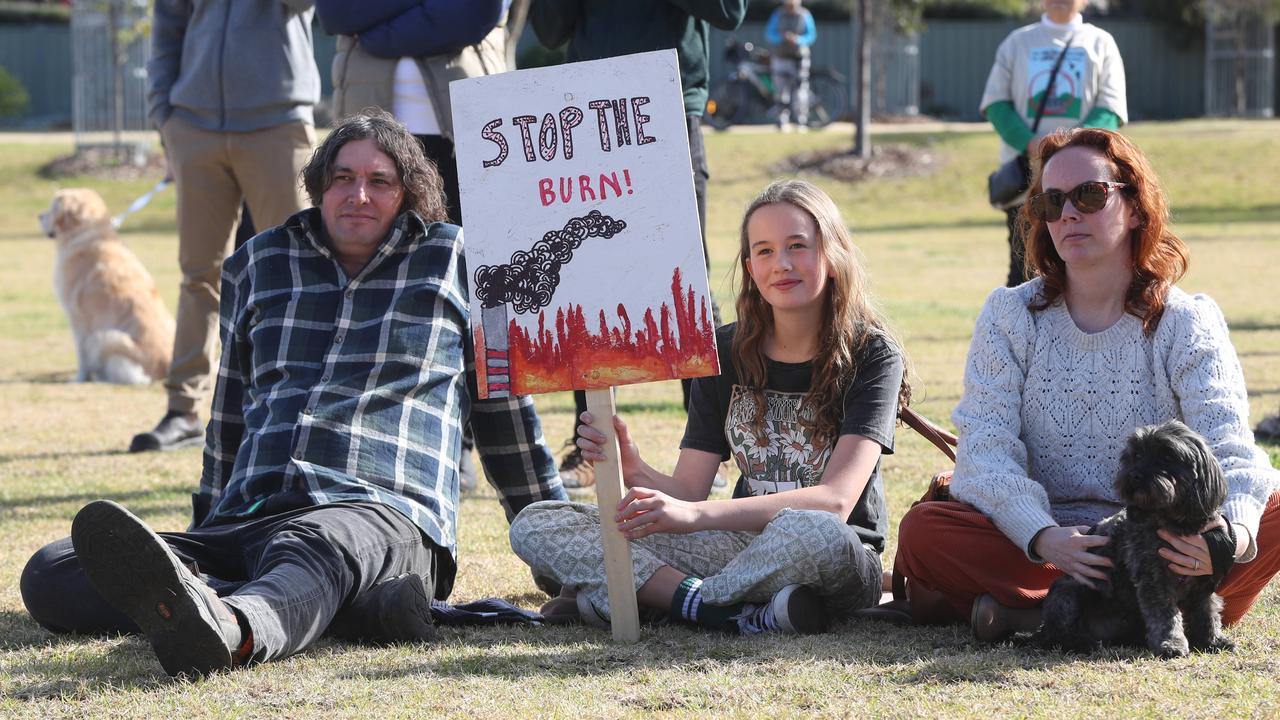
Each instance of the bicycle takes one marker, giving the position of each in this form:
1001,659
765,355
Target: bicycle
749,95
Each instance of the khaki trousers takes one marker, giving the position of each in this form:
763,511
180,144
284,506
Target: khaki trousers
214,172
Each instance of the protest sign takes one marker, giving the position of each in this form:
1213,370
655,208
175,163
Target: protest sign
582,232
584,247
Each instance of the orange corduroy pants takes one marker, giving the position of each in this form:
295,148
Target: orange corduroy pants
953,549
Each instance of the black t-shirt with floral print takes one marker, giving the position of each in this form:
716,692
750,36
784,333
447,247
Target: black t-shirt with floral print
721,411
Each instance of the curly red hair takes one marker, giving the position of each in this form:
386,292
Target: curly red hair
1159,257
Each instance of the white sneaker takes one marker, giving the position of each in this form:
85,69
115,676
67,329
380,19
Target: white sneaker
590,615
795,609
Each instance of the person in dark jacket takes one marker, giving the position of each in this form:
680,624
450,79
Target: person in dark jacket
401,57
597,29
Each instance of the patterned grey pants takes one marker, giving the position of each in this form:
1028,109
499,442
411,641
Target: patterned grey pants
805,547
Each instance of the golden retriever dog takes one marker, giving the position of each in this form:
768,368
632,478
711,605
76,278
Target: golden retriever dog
122,331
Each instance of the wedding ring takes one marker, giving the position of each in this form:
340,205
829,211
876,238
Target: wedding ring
1197,565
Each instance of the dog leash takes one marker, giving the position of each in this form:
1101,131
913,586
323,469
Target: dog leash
139,203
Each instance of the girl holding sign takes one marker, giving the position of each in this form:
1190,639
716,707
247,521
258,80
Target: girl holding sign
806,404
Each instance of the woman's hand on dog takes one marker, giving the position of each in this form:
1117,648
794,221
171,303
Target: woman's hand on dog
1189,554
1069,550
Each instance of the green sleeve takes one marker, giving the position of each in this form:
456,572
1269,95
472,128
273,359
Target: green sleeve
1011,129
1101,117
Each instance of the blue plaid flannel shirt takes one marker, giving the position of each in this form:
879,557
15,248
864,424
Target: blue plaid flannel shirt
334,389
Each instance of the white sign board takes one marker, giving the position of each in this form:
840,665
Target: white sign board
582,233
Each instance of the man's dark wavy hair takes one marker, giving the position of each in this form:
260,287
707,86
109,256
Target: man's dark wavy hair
423,188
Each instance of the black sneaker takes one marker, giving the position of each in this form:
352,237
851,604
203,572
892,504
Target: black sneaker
396,610
192,631
175,430
794,609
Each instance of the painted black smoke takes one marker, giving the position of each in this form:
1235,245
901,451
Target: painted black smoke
529,281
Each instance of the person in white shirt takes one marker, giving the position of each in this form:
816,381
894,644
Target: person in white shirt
1089,91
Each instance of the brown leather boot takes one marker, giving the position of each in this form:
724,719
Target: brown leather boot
993,622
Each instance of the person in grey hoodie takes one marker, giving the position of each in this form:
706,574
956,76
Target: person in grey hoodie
231,86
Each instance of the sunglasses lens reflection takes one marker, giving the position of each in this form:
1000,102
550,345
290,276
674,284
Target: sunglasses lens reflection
1087,197
1047,205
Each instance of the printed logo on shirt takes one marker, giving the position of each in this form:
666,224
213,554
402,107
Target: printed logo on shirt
1068,90
786,457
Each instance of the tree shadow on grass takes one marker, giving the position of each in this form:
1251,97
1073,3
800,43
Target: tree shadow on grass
68,675
35,501
1190,214
150,504
909,656
56,454
48,377
18,631
1253,326
577,651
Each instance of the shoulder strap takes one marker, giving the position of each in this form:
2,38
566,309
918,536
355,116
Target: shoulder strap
1053,77
941,439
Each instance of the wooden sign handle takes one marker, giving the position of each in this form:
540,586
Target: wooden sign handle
617,549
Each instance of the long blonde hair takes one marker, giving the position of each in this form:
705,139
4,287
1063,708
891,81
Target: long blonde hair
848,315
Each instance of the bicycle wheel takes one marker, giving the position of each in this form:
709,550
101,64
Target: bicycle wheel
727,105
828,98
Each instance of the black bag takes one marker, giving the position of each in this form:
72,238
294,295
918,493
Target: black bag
1014,177
1009,181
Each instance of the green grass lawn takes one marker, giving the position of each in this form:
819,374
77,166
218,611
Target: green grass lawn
933,248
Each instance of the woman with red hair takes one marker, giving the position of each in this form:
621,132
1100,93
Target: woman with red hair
1060,371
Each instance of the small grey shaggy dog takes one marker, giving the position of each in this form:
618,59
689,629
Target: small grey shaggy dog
1168,479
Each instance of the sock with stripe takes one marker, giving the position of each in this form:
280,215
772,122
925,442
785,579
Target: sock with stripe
687,605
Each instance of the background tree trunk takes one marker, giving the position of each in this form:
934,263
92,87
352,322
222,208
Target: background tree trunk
862,136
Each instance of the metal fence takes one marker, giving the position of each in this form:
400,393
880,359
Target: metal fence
1239,63
1168,77
895,62
39,56
942,71
1165,77
109,69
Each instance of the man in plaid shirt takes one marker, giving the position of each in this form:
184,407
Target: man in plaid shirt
330,485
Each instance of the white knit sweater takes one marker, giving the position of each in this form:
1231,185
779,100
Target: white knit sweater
1047,409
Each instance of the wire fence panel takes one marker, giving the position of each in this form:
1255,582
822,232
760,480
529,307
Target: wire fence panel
38,55
1239,64
109,70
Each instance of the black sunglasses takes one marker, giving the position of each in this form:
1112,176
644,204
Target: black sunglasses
1088,197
